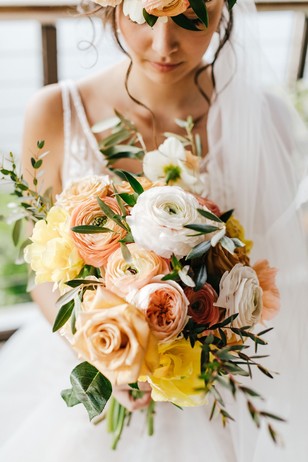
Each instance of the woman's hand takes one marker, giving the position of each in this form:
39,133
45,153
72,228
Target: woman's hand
125,396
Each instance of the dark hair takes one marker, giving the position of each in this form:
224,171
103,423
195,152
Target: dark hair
108,16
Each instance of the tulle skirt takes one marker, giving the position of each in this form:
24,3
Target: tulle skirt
36,425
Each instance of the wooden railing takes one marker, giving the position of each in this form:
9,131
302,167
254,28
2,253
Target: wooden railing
48,11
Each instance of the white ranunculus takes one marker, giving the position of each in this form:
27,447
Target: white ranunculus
134,10
171,156
240,292
157,221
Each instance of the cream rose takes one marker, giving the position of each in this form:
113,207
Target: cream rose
114,336
96,248
134,10
241,293
53,255
123,277
165,7
80,190
165,306
157,221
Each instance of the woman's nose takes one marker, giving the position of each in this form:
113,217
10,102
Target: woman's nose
164,40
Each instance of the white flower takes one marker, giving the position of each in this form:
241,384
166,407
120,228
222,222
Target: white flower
240,292
134,10
157,221
172,163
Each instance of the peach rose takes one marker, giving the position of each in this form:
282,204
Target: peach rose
123,277
165,7
114,336
165,306
80,190
96,248
271,296
201,308
124,186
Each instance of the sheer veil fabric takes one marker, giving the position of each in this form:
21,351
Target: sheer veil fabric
254,164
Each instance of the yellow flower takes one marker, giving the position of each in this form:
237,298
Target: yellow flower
176,379
52,254
235,229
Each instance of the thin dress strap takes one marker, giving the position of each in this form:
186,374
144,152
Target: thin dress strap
81,152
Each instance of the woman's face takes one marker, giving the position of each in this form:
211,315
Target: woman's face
167,53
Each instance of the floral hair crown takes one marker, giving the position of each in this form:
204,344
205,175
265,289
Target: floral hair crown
141,11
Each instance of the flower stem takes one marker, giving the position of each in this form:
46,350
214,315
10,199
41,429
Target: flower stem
150,417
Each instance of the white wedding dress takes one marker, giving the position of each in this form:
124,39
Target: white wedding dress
36,425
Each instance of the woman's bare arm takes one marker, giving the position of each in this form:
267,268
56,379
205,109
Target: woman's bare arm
44,121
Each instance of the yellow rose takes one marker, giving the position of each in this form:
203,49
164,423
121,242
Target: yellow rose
176,379
235,229
52,254
114,336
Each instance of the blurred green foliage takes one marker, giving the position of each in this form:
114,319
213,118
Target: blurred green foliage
13,277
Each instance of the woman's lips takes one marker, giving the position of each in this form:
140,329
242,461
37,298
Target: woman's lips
164,67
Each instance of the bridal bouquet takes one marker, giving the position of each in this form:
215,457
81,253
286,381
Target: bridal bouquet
156,285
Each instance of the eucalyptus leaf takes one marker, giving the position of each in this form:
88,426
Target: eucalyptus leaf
226,215
67,297
130,199
200,277
209,215
110,213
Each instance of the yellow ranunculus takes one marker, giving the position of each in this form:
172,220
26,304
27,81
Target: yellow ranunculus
52,254
235,229
176,379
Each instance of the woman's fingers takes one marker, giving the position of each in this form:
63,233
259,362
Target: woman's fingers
126,398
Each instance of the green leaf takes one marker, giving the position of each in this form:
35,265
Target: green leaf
131,179
200,9
226,215
116,138
231,4
38,164
17,231
63,315
199,250
69,397
91,229
200,277
129,199
105,124
264,371
209,215
265,331
272,433
250,392
272,416
182,21
79,282
213,409
202,229
227,321
126,253
150,18
134,385
91,388
40,144
110,213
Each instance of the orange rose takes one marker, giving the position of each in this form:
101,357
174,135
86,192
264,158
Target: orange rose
270,298
201,307
165,306
165,7
209,204
122,277
96,248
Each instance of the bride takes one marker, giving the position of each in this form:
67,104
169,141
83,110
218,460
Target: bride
252,162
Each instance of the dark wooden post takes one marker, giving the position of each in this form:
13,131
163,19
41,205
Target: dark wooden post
49,51
303,55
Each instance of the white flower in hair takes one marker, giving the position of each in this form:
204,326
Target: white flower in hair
134,10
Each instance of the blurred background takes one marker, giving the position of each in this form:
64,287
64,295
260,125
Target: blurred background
45,41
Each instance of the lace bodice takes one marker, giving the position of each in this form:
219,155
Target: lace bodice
81,152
